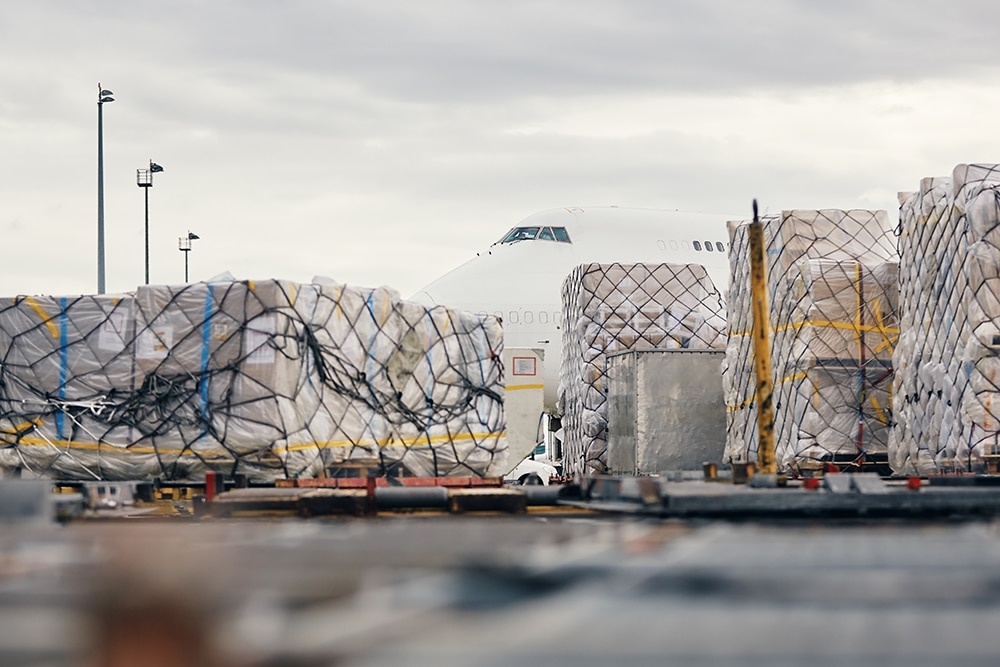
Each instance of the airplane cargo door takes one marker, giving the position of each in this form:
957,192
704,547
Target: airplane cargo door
524,399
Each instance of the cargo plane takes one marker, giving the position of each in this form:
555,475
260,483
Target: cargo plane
519,278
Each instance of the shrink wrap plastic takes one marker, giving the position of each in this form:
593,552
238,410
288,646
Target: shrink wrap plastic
833,303
931,248
610,308
266,378
947,392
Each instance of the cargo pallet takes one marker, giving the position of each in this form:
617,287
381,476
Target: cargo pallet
356,496
834,495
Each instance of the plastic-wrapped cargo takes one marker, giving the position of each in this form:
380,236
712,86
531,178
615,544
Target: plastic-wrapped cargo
611,308
925,400
267,378
179,379
221,374
950,274
907,429
406,384
837,362
833,304
976,193
976,212
65,374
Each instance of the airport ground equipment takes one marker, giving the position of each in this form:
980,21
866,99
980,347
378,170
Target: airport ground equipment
665,410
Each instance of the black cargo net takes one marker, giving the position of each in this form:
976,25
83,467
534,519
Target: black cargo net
269,378
833,302
610,308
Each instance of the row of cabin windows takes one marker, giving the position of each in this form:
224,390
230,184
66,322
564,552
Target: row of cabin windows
708,246
674,244
527,317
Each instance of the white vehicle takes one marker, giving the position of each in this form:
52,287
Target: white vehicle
519,278
530,471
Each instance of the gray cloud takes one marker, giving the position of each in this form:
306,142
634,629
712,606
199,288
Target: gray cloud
478,51
385,142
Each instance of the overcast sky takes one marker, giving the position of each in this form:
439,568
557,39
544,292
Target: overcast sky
386,141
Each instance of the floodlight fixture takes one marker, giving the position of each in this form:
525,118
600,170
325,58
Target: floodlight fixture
184,245
144,179
103,96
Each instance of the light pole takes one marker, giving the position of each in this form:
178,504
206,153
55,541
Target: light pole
102,97
144,179
184,245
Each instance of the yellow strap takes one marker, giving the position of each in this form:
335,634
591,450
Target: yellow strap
419,441
23,426
787,378
53,329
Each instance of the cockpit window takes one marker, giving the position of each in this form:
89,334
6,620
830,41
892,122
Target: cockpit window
520,234
536,233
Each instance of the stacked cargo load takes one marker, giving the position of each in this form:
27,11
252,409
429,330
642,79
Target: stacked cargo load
611,308
406,384
951,270
926,394
832,297
976,191
220,376
65,375
908,424
270,379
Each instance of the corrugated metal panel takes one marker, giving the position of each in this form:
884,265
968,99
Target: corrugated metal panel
665,410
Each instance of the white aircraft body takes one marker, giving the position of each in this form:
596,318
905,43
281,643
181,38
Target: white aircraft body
519,278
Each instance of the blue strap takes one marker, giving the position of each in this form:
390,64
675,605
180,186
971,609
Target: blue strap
63,360
206,335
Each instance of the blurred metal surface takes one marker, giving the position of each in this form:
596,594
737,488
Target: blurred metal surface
496,590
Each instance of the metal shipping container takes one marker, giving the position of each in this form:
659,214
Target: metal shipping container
665,410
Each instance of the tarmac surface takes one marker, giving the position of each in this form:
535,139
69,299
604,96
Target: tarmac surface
554,589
